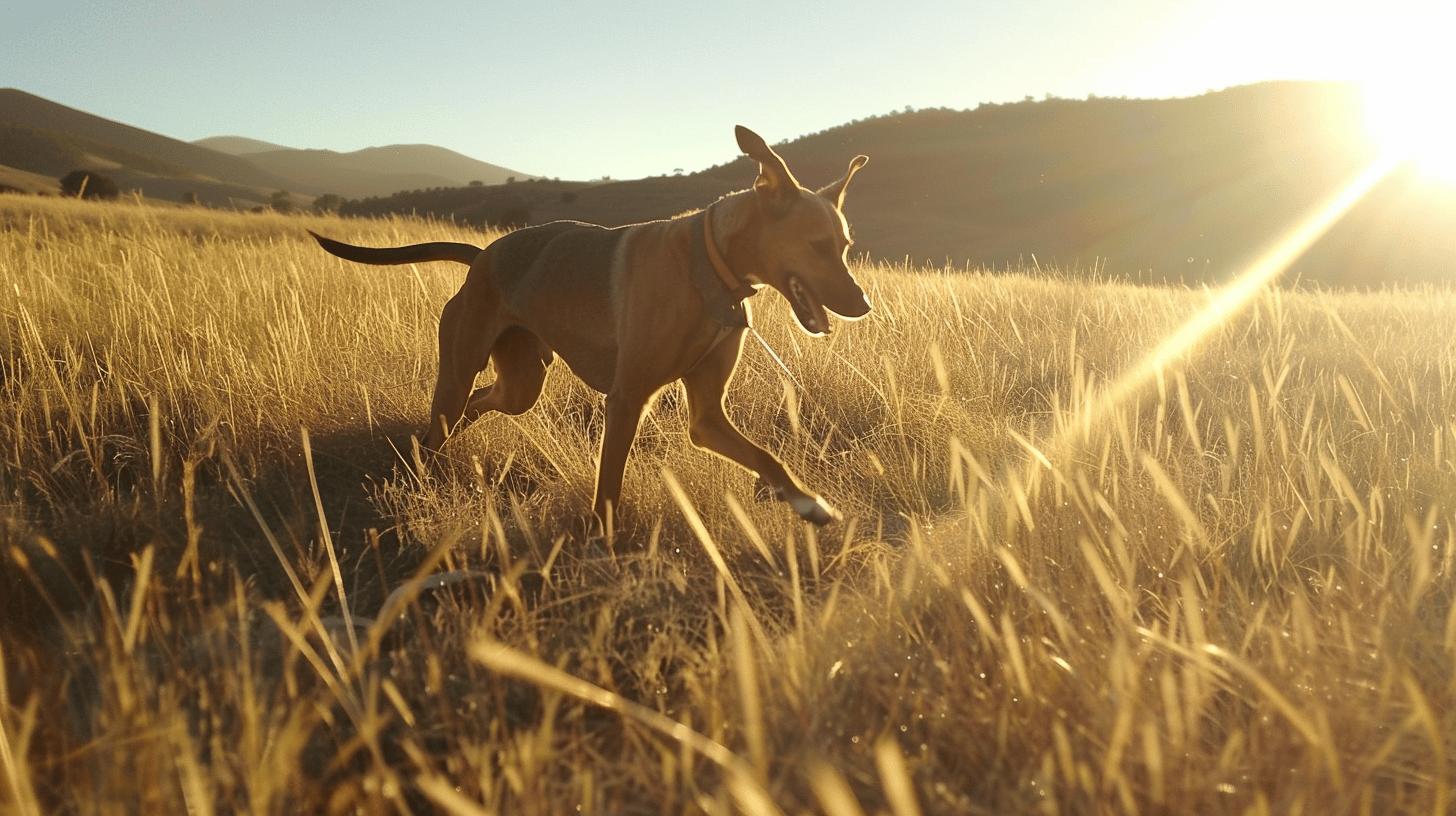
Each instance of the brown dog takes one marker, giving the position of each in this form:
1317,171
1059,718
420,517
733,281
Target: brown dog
633,308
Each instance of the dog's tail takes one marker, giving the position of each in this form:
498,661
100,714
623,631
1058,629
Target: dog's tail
415,253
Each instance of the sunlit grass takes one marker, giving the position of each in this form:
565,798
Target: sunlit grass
1229,590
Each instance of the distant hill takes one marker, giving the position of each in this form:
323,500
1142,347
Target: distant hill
129,153
1135,184
373,171
423,158
1183,189
238,145
42,137
1186,189
378,170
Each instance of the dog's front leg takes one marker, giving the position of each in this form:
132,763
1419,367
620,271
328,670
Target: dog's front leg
624,412
709,427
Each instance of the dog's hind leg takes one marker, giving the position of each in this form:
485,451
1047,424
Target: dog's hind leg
710,428
520,360
624,414
468,330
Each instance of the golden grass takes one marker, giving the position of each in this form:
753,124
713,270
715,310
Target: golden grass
1232,593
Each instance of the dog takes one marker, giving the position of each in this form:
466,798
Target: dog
631,309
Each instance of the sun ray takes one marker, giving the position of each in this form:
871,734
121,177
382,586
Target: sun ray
1226,302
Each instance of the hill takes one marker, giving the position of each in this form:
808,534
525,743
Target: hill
46,138
238,145
13,180
1183,189
438,161
372,171
1172,189
378,170
42,136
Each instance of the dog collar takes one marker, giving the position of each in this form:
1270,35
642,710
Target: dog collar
737,288
721,290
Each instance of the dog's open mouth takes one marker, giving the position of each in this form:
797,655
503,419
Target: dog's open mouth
807,308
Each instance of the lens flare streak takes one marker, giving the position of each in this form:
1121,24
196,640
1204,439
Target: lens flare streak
1229,300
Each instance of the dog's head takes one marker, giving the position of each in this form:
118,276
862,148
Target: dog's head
802,243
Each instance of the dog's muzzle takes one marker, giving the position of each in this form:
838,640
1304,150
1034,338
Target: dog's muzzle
807,308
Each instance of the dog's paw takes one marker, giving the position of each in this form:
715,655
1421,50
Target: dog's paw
763,491
814,509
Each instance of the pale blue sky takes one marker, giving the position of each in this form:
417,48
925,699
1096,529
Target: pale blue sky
580,89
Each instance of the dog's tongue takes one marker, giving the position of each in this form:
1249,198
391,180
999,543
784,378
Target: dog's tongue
807,309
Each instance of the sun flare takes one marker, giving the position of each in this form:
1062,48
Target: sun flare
1413,122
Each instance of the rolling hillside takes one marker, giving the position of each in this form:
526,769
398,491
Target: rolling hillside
417,158
13,180
42,137
378,170
1180,189
134,152
1184,189
373,171
1174,189
238,145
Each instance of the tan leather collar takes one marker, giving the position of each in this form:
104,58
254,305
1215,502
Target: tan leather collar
736,287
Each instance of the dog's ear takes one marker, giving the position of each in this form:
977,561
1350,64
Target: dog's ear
835,192
775,184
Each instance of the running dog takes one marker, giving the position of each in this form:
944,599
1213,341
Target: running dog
631,309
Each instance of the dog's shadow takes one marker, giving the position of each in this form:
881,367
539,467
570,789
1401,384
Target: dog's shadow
369,476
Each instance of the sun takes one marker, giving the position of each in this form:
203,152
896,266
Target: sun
1412,120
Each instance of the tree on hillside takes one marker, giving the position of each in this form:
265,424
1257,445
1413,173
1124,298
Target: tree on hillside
281,201
86,184
190,198
477,183
328,202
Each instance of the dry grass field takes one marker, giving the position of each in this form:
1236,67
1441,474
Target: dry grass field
1223,588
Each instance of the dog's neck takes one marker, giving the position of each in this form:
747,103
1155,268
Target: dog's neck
737,287
732,220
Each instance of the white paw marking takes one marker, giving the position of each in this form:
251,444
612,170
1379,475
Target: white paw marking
813,508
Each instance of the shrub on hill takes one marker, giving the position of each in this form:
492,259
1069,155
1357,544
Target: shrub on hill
328,203
88,184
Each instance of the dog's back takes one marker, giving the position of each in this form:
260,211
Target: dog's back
557,281
553,256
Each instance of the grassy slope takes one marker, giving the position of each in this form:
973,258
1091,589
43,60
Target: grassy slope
27,182
238,145
129,143
44,137
1177,190
1232,591
377,170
